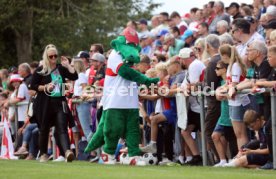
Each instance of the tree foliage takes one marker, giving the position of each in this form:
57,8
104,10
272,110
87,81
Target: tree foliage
27,26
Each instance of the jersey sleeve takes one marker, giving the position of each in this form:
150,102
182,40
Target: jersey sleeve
83,78
236,73
114,63
22,90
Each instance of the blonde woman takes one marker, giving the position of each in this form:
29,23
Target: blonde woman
272,38
50,106
200,51
83,108
236,72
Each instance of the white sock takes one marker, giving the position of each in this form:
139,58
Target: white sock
152,142
188,158
223,161
181,158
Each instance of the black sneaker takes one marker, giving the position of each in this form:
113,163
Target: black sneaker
267,166
197,160
179,162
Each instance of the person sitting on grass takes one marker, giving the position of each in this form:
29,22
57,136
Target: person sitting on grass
255,153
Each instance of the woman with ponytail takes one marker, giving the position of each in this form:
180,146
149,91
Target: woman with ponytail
236,72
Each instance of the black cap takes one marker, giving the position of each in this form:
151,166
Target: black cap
270,25
250,19
143,21
83,54
234,4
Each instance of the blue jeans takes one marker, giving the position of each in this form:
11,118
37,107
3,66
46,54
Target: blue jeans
30,137
28,132
84,115
33,145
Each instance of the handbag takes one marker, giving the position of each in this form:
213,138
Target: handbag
30,111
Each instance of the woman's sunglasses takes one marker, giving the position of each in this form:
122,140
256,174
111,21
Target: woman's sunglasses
218,68
198,49
52,56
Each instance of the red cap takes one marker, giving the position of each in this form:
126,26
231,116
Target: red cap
101,82
186,16
131,35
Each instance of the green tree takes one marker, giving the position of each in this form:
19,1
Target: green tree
72,25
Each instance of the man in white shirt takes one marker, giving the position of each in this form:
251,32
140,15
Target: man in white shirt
241,33
194,75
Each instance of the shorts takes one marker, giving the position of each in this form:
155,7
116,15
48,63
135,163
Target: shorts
236,113
219,128
194,119
170,115
257,159
222,129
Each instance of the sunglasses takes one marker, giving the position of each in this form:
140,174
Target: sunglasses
197,49
52,56
234,30
218,68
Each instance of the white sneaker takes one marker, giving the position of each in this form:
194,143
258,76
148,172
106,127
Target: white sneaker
220,164
165,161
108,159
150,148
59,159
230,164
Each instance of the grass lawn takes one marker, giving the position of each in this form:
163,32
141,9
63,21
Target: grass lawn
79,170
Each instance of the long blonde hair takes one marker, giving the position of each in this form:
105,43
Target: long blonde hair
234,56
46,69
79,65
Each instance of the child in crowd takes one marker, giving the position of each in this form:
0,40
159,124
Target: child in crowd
236,72
224,126
254,153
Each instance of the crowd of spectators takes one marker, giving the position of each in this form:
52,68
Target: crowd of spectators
225,49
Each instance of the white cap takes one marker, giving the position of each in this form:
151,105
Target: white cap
271,10
98,57
185,53
16,78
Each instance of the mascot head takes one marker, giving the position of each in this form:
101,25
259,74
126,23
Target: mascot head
127,45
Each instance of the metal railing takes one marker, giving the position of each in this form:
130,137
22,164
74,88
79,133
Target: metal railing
202,122
246,91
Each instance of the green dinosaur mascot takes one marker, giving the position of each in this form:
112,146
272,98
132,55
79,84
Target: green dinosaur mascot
120,116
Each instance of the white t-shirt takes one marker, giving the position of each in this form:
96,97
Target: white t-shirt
195,71
241,48
257,36
118,92
12,108
82,79
87,72
235,76
23,94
